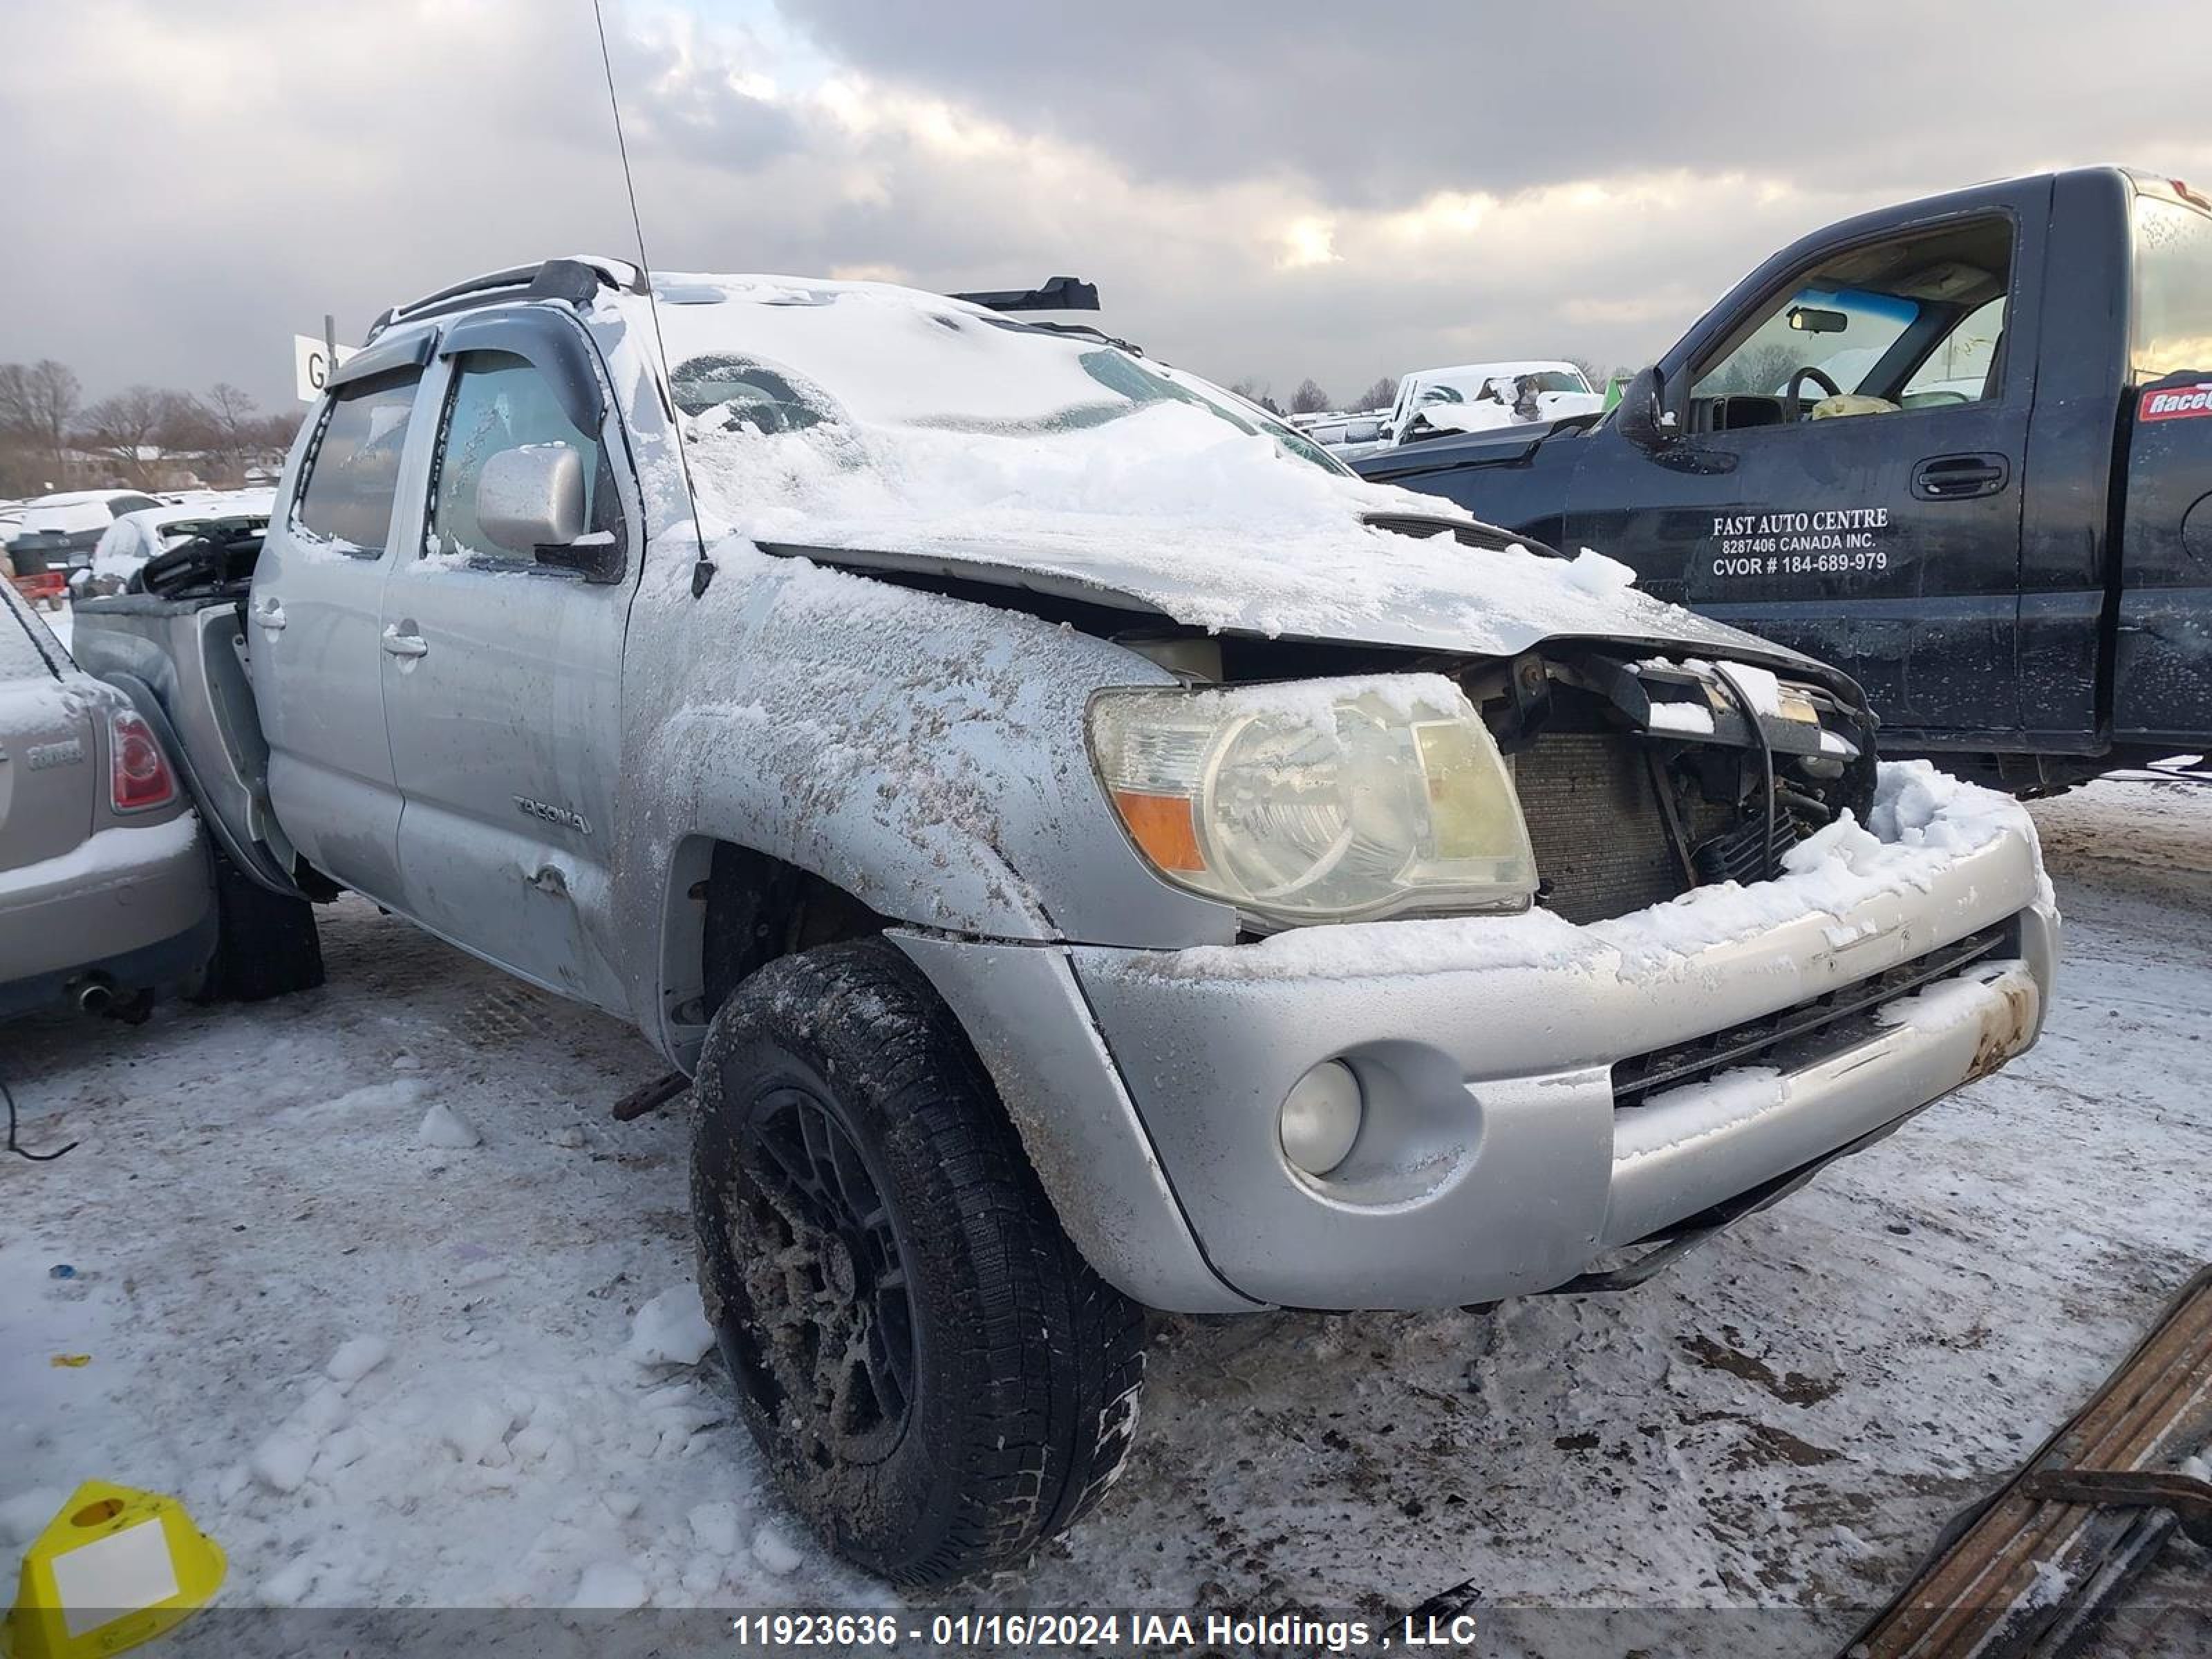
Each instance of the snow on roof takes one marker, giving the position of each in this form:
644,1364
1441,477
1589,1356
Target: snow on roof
861,416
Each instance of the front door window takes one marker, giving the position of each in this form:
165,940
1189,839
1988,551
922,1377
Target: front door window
1909,324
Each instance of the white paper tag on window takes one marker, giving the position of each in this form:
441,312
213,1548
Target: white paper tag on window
122,1572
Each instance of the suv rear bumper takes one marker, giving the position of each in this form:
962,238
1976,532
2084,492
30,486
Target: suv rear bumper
134,904
1496,1158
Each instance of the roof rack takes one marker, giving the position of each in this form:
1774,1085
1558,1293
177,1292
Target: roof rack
574,280
1060,294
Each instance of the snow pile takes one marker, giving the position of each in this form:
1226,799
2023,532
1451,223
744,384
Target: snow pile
670,1329
855,416
442,1127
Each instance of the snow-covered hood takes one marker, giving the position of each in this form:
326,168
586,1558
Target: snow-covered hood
1376,588
872,427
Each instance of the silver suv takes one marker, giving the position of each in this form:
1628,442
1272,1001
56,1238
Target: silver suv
1084,850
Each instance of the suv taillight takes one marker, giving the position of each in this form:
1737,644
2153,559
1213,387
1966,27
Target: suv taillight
138,772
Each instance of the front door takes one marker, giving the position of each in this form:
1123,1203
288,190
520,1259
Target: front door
1849,477
502,694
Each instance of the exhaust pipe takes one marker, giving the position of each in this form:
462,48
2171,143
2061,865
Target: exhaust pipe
94,996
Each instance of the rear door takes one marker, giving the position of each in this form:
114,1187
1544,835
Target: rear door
503,677
49,750
2162,651
315,614
1877,525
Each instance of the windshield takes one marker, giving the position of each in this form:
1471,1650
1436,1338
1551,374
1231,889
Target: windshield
770,360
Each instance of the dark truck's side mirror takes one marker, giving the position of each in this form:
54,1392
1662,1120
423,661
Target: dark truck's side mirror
530,501
1642,418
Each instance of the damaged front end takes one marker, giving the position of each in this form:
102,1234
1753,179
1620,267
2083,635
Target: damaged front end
1641,778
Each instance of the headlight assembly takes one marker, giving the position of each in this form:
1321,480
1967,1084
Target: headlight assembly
1325,800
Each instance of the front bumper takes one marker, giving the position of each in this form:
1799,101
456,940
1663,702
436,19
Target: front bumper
134,905
1496,1160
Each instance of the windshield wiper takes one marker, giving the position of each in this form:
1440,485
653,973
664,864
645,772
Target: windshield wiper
1467,532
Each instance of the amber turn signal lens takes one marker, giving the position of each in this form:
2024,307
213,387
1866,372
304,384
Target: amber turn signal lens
1162,827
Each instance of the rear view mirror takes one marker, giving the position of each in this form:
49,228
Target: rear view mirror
1812,320
1642,416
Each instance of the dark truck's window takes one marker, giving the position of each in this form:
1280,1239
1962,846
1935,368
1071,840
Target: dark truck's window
1911,323
498,401
2173,288
1857,328
353,475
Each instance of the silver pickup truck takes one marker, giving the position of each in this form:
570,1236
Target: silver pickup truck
1086,850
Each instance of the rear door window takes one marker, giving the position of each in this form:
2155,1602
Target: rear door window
353,476
2173,288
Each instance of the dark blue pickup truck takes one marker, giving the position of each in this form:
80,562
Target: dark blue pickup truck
1961,448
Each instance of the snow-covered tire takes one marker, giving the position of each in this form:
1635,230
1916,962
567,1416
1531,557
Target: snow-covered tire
855,1180
266,944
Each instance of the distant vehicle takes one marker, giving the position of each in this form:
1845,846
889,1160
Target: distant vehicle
56,534
1344,435
1959,447
1478,397
105,886
966,767
126,545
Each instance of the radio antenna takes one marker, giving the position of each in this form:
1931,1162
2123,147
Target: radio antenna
702,571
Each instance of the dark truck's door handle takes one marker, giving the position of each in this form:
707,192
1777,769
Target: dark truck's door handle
1960,478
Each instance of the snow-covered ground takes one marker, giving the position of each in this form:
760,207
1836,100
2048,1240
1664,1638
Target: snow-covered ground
371,1280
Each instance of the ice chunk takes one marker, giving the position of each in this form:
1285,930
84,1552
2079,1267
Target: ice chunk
282,1458
715,1527
774,1553
669,1329
615,1584
441,1127
477,1431
356,1359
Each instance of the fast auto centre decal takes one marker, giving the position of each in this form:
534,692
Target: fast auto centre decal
2175,403
1833,541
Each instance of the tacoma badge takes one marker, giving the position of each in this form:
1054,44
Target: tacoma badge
562,816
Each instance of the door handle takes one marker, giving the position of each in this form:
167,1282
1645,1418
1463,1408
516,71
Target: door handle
269,614
396,644
1960,478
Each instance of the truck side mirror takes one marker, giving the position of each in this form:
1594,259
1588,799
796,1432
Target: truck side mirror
532,496
1642,418
530,501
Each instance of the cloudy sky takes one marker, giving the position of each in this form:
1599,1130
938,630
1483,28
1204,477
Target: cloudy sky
1274,188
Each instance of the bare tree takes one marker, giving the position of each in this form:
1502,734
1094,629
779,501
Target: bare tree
38,402
1309,398
1254,390
127,426
228,414
1381,395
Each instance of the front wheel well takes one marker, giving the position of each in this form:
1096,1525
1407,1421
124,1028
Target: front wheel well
733,911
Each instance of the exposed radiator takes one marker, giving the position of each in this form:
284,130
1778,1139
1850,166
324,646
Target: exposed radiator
1596,822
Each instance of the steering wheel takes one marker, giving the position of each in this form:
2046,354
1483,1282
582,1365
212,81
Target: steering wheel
1793,402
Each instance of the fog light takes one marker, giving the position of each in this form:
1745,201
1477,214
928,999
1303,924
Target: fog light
1321,1117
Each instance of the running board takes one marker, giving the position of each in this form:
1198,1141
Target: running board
2028,1573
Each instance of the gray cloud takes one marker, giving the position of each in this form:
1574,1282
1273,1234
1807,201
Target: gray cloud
1375,104
1279,191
